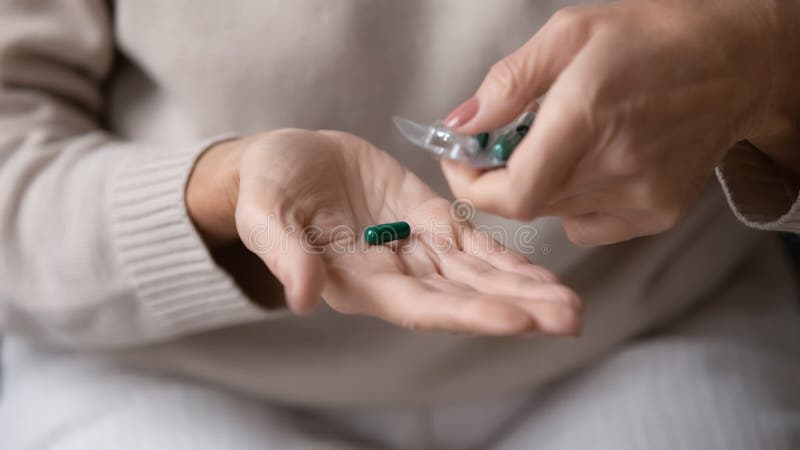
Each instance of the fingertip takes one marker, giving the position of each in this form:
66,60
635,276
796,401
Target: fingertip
448,167
570,298
495,193
486,189
463,113
462,173
459,177
562,321
574,327
299,299
300,304
497,320
500,100
303,290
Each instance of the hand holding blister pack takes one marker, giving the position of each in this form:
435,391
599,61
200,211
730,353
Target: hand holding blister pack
483,151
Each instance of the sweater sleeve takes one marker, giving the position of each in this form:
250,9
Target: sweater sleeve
761,193
96,248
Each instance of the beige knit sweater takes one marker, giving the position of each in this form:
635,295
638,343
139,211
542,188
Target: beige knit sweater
104,109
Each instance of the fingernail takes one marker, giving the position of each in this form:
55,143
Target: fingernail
463,114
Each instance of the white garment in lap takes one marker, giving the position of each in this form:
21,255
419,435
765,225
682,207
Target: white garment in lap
726,378
68,402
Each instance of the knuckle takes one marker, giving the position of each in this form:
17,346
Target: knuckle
644,194
348,308
280,135
574,231
666,219
511,208
516,209
477,314
578,233
565,320
343,137
546,276
570,19
626,162
460,190
337,134
568,297
664,212
249,214
255,231
506,78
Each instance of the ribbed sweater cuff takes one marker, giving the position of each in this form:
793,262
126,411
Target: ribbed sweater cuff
176,279
761,193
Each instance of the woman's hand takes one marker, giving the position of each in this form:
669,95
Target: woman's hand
644,98
301,201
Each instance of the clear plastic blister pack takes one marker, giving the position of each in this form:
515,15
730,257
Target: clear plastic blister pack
487,151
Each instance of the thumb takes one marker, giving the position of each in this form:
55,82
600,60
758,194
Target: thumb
515,82
284,246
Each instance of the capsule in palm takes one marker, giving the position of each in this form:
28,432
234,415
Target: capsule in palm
387,232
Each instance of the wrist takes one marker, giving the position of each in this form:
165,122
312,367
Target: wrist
783,149
775,60
212,191
778,132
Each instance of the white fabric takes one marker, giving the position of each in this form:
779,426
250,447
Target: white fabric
726,379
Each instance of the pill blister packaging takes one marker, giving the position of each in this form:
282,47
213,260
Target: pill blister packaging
485,151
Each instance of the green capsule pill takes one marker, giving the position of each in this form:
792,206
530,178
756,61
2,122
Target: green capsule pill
483,139
505,144
387,232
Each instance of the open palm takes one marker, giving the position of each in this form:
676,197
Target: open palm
304,199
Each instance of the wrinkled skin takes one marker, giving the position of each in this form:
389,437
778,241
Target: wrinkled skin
301,200
644,99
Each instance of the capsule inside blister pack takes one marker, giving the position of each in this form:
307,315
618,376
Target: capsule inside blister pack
484,151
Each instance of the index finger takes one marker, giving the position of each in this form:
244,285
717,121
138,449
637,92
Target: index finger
541,164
